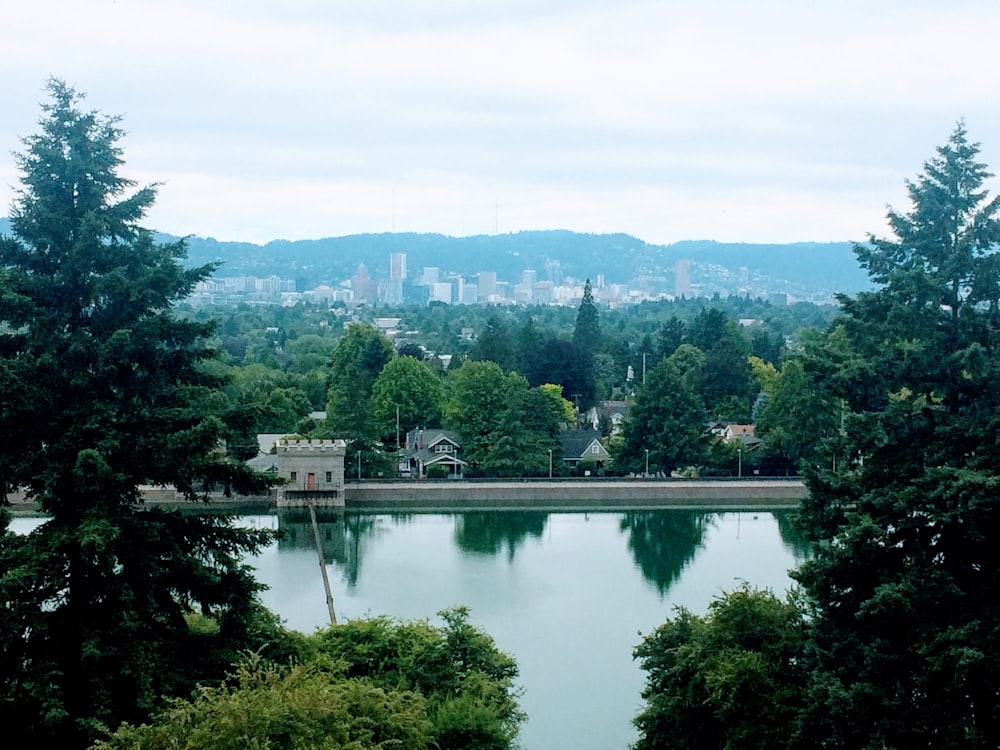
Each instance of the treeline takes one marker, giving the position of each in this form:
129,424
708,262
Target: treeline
719,359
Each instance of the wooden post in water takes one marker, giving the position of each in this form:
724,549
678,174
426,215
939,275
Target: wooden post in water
322,564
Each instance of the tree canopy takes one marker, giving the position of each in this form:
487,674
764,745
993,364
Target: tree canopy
900,619
108,390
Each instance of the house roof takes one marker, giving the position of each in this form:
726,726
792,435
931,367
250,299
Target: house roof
738,430
576,443
421,444
420,438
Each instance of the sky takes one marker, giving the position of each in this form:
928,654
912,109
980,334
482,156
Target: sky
764,121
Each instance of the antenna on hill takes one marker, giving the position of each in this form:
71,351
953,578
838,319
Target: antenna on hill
394,210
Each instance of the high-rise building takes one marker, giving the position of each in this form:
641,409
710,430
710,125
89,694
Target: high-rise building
441,292
363,287
390,292
431,275
487,285
553,270
397,266
682,278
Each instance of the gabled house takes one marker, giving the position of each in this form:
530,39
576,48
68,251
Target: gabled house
614,412
427,448
744,434
584,447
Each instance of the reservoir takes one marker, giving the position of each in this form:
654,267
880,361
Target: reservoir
568,594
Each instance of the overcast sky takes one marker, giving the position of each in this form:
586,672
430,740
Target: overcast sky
764,121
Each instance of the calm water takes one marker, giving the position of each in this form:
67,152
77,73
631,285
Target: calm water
568,594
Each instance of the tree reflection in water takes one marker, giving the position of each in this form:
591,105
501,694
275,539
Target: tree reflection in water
792,535
663,542
488,532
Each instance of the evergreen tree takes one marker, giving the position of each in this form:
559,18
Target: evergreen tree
587,332
906,587
108,390
495,344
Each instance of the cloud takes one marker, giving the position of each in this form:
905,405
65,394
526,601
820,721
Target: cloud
663,119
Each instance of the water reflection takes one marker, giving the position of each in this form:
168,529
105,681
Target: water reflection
663,543
792,535
489,532
295,527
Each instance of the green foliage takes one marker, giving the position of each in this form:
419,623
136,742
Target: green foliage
468,684
667,418
93,603
407,385
437,471
905,587
495,344
363,684
507,428
587,332
731,679
299,709
897,644
360,355
476,401
796,417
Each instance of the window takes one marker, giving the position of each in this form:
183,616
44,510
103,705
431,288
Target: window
329,477
442,448
292,476
595,448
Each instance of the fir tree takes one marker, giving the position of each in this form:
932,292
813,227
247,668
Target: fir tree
107,393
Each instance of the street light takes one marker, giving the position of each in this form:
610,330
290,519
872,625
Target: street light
647,463
550,463
739,459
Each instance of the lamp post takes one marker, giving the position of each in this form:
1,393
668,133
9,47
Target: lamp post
359,466
647,463
550,463
739,463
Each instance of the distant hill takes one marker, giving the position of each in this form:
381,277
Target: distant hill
805,270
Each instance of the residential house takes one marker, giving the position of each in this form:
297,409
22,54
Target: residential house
614,412
584,447
744,434
428,447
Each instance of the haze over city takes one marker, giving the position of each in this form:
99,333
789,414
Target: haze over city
765,122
